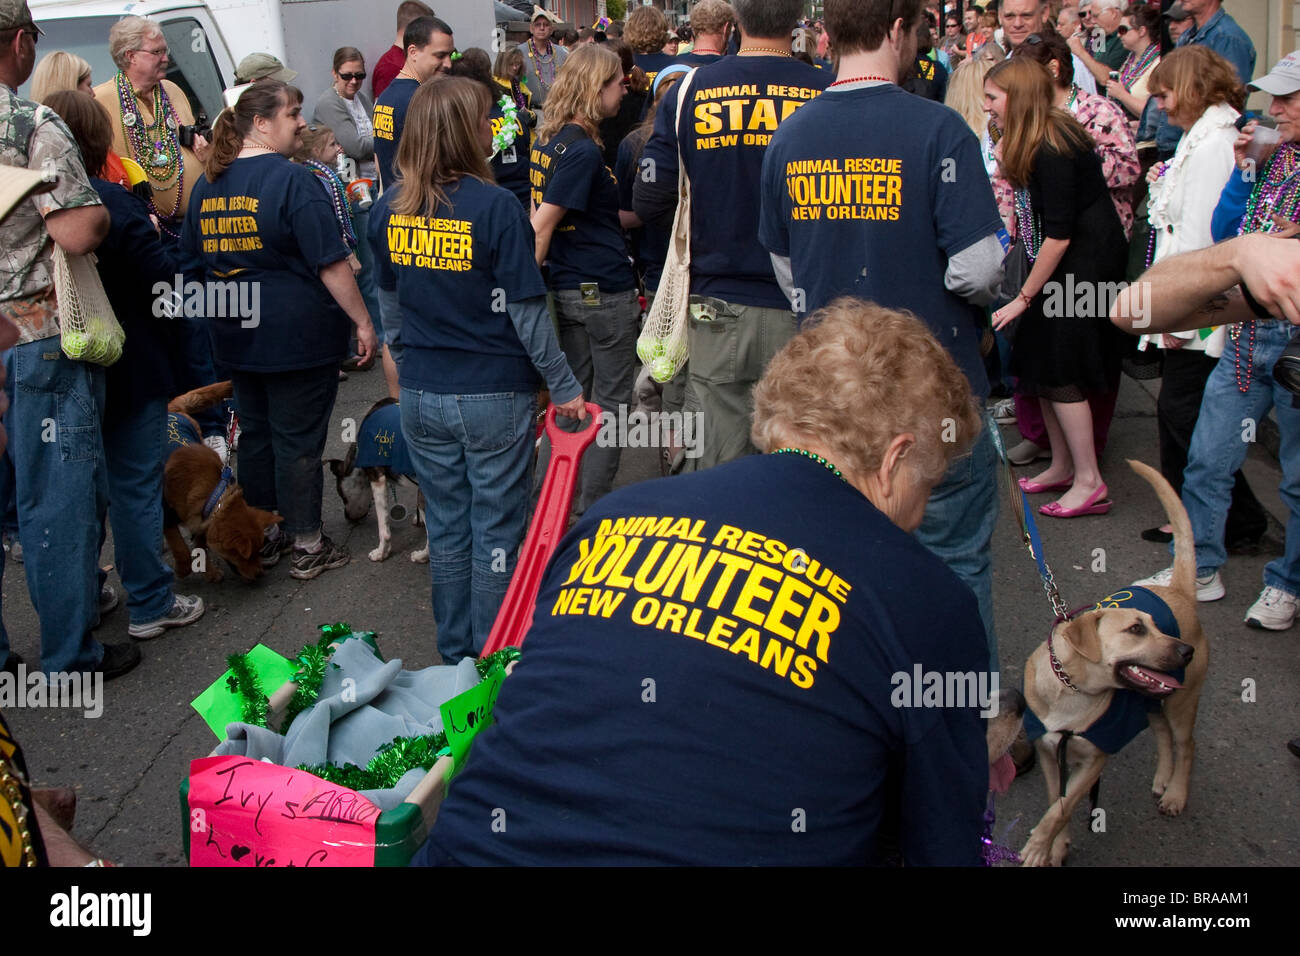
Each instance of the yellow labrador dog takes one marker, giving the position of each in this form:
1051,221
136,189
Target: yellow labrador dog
1137,658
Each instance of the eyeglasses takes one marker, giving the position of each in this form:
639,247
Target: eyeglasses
34,34
160,53
1121,29
352,77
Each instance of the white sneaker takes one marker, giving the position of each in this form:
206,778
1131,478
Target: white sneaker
1209,588
218,444
186,609
1004,411
1274,611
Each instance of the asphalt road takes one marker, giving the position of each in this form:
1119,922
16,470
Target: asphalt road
127,765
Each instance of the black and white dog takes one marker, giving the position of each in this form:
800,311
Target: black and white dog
377,457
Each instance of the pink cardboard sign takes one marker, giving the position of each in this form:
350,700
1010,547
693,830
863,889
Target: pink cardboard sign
250,813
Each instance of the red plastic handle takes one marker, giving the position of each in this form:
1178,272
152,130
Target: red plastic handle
545,532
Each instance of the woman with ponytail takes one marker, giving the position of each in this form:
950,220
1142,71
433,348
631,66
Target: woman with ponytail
1065,348
278,296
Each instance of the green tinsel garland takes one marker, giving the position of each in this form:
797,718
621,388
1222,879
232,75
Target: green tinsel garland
503,657
309,678
393,761
243,682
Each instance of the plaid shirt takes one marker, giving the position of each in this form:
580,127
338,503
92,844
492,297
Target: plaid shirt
34,137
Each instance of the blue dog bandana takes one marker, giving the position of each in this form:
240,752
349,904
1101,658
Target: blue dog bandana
1126,717
181,432
380,443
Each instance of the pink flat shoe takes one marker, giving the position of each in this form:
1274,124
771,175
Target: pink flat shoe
1097,504
1030,487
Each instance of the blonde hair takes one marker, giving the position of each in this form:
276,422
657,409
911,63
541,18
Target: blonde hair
575,97
711,16
440,143
1031,118
854,355
966,93
313,138
57,71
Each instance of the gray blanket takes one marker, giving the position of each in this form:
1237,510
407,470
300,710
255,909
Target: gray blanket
364,703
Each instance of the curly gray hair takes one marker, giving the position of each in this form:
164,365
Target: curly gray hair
128,34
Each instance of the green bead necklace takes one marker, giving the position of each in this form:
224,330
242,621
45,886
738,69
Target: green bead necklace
817,458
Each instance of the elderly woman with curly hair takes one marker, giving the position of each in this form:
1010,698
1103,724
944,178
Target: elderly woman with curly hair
761,616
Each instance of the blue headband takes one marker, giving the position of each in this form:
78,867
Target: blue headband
666,72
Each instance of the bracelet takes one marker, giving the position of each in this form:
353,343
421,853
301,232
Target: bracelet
1028,299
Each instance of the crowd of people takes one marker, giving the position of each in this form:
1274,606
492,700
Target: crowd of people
887,210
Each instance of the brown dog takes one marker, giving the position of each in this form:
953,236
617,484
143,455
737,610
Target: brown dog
1092,682
232,528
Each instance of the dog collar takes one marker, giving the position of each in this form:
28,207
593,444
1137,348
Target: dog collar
214,499
1057,667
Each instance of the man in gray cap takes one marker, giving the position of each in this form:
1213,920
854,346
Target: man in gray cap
259,66
542,58
1180,21
54,464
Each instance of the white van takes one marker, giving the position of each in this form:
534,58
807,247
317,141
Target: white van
208,39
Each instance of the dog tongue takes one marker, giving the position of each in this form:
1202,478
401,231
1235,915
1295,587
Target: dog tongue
1167,679
1002,773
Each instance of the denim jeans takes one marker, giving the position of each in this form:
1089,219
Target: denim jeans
473,456
391,310
366,280
958,526
135,452
285,417
600,344
58,478
1221,440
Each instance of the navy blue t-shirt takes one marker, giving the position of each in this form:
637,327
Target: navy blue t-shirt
454,271
869,192
264,230
710,678
697,59
652,63
510,165
389,117
735,107
587,245
650,241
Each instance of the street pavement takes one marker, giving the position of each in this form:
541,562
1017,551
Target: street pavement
127,764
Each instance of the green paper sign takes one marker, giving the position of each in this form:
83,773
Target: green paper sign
218,705
466,714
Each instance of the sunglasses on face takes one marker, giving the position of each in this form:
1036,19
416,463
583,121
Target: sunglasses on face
1034,39
352,77
1121,30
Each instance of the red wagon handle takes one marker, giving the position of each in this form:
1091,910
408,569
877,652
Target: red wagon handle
544,533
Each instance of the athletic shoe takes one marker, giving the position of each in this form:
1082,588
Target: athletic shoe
1004,412
272,548
1208,588
186,609
1274,611
1026,453
308,564
218,444
118,659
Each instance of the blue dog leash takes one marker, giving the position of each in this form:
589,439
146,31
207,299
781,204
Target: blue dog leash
209,506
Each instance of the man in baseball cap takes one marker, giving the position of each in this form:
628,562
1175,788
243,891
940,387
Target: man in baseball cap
258,66
1283,79
14,14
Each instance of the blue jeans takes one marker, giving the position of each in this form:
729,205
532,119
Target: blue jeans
58,478
1221,441
135,451
958,526
473,456
391,309
366,280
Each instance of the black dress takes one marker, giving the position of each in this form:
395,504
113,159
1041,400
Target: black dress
1065,345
